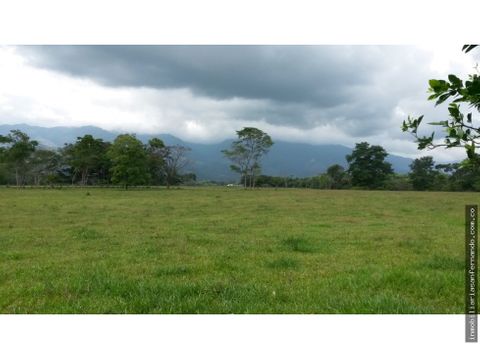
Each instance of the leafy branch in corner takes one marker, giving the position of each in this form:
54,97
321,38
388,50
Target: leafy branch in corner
460,129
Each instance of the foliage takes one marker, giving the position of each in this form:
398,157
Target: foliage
187,179
334,178
16,151
91,161
88,156
165,165
367,166
338,177
44,165
155,153
398,182
465,176
129,161
246,153
423,173
460,129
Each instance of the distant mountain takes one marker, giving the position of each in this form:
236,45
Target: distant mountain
284,159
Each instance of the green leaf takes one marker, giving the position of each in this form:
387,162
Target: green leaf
438,85
442,98
454,111
470,150
455,81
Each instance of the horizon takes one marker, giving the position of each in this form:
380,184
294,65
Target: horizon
179,138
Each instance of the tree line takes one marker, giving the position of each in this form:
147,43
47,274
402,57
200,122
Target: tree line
368,169
128,162
90,161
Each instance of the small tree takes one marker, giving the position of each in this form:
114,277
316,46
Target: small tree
367,166
16,153
338,177
423,173
246,153
174,161
129,161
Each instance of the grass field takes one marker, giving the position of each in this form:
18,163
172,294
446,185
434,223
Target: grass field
221,250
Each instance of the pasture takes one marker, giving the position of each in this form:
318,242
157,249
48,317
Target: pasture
227,250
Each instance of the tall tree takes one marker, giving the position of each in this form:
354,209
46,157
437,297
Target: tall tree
129,161
423,173
367,166
246,153
16,153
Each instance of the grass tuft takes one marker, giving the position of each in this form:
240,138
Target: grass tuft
174,271
299,244
85,233
442,262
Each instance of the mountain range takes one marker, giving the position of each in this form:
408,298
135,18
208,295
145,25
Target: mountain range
208,163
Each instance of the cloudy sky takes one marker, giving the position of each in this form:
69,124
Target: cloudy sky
314,94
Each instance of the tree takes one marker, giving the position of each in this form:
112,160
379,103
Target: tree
16,152
465,175
174,161
367,166
86,157
423,173
460,129
129,161
156,153
246,153
44,165
338,177
398,182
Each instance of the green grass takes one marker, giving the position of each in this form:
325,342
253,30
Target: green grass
220,250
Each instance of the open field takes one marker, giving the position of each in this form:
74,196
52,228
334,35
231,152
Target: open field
221,250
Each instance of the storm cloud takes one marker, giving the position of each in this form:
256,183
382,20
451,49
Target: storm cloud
310,74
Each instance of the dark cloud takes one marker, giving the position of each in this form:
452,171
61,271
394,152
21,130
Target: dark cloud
311,74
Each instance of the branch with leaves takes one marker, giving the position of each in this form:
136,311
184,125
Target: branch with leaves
460,129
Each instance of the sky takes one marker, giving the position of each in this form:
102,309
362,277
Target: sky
312,94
